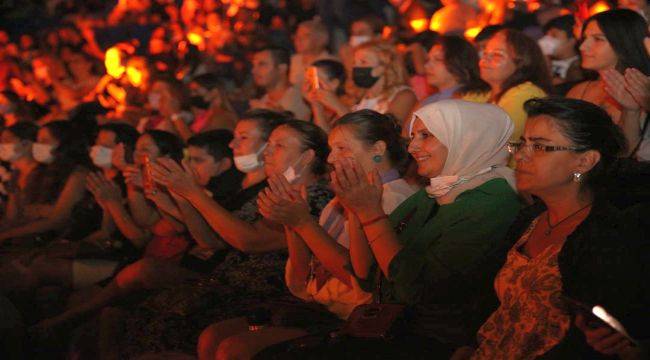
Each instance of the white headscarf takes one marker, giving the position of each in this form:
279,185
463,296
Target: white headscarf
476,136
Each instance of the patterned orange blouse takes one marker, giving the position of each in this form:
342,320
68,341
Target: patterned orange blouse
531,318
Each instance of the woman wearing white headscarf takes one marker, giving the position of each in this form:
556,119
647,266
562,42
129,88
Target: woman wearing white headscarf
439,251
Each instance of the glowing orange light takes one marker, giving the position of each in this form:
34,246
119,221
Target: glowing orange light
435,25
232,10
386,32
418,25
116,93
195,39
134,75
598,8
533,6
113,62
471,33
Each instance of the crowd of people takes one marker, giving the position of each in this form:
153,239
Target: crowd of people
449,179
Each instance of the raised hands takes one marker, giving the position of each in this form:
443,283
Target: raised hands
631,90
118,158
357,191
176,178
283,204
133,176
104,190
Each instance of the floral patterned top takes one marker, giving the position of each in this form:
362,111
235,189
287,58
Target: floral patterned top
531,318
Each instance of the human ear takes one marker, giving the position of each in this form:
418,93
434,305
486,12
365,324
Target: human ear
587,161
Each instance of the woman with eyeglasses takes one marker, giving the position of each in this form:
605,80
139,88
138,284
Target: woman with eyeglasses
581,245
514,67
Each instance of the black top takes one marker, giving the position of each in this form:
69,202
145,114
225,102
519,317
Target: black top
606,260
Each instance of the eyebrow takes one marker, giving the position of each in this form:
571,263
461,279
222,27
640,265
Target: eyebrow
538,138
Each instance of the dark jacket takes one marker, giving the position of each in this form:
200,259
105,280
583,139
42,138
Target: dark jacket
606,260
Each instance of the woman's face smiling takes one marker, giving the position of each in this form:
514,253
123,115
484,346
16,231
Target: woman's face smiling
429,153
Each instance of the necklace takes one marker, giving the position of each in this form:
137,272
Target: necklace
550,229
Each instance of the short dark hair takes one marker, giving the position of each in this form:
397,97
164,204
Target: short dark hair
334,70
25,130
214,142
266,120
371,126
563,23
168,144
588,127
312,137
279,55
625,30
124,133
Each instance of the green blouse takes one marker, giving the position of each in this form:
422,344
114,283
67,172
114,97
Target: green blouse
450,256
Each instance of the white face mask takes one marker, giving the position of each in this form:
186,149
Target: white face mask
154,100
290,173
549,45
250,162
356,40
9,153
101,156
43,153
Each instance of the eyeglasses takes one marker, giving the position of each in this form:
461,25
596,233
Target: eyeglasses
515,147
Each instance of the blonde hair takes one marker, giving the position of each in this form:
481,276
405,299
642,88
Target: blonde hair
395,74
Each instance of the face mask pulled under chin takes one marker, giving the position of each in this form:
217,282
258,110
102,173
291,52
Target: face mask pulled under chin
43,153
291,174
356,40
362,77
101,156
250,162
9,152
549,45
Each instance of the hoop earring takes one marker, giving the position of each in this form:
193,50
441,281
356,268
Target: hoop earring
577,177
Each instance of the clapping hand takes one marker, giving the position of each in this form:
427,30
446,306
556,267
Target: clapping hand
104,190
638,85
357,191
178,179
133,176
283,204
631,90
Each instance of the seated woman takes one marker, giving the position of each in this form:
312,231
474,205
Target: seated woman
329,93
155,230
253,270
612,44
381,75
96,257
317,268
565,253
452,68
439,250
514,67
16,149
64,167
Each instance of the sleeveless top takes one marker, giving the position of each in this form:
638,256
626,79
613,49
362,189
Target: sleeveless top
531,318
380,103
